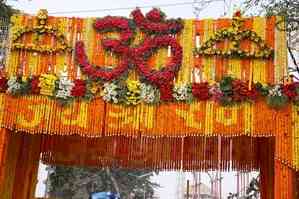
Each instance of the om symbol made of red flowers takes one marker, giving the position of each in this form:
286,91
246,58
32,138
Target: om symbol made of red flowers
157,30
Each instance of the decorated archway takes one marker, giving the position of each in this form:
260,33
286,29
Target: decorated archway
148,92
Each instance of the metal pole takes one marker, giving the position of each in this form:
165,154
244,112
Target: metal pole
199,183
188,189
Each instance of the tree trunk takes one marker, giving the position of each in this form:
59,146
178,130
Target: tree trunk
114,181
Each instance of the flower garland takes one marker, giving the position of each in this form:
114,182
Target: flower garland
155,24
228,91
39,29
235,35
100,73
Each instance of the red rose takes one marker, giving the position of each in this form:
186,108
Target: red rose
290,90
241,91
252,94
201,91
79,88
166,92
238,14
3,84
35,89
155,15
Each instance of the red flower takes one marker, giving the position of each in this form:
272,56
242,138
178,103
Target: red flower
241,91
154,22
238,14
119,23
100,72
3,84
201,91
155,15
79,88
166,92
290,90
165,75
156,25
35,89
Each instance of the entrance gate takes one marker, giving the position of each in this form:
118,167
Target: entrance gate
148,92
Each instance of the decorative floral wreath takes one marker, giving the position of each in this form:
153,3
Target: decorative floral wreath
153,24
235,35
39,29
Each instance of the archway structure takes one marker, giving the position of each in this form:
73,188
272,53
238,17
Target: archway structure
223,100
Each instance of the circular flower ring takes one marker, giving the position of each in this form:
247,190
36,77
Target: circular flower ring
144,52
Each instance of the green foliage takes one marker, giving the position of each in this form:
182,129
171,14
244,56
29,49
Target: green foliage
277,101
6,11
68,182
252,191
227,89
289,9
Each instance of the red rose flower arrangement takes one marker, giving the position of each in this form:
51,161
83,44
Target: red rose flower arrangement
241,91
290,90
201,91
79,88
101,73
120,24
3,84
108,24
34,84
155,24
155,15
165,76
166,92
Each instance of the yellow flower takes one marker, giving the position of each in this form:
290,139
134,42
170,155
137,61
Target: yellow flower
24,79
47,84
133,95
133,86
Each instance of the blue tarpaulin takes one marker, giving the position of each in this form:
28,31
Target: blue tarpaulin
104,195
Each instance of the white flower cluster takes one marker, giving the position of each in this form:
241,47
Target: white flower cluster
13,85
148,93
65,86
110,93
275,91
182,93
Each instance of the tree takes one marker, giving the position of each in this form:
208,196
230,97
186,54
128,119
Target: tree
6,11
252,191
75,182
289,9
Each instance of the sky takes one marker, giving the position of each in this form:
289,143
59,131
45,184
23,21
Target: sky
215,9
